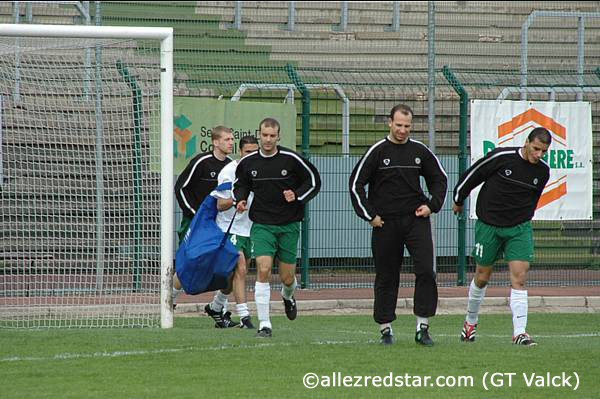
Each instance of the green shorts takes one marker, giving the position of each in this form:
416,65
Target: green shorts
493,243
243,244
183,228
276,241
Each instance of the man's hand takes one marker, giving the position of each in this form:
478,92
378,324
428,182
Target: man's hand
289,195
457,209
241,206
423,211
376,222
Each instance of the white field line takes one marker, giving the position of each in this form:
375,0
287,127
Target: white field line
479,334
92,355
69,356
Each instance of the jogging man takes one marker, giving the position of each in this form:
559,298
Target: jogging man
240,237
513,180
197,181
282,182
399,211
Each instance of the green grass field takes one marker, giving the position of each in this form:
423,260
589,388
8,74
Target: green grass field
195,360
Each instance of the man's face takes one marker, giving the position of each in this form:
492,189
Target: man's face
400,127
268,139
535,150
247,149
224,143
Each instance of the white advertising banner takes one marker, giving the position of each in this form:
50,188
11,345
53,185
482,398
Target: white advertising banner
501,123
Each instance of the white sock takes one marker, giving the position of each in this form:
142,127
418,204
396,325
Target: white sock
174,294
421,320
476,295
518,305
262,297
384,326
219,301
242,309
288,292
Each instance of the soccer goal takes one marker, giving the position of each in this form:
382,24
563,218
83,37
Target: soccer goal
86,176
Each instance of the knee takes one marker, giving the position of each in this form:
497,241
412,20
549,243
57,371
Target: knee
176,282
482,276
264,273
287,279
240,270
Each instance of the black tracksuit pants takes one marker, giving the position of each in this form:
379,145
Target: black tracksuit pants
388,251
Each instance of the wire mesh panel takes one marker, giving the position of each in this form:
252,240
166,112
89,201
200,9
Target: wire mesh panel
566,252
343,255
80,183
356,67
349,111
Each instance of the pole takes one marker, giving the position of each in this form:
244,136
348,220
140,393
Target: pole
304,233
462,166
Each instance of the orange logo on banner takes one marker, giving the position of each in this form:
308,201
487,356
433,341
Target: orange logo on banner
182,136
524,123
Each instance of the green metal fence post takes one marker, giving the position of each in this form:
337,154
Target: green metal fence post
462,166
305,237
137,120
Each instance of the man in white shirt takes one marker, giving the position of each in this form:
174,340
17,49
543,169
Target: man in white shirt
239,236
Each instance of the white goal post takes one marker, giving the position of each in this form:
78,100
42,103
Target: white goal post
9,307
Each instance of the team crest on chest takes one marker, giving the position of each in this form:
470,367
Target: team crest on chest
284,172
508,172
254,173
386,161
535,181
212,174
418,160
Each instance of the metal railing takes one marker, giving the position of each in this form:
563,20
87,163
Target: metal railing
84,10
581,16
291,20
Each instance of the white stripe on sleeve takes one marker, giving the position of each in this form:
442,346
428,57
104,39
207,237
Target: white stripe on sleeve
313,180
500,153
188,180
360,166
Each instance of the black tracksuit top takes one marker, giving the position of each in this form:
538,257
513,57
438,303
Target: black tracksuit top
512,186
393,173
197,180
268,177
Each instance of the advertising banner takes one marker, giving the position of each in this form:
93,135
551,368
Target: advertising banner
501,123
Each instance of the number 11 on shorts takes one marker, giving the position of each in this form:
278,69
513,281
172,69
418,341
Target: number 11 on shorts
479,250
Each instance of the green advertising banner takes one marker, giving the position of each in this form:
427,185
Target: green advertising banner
194,119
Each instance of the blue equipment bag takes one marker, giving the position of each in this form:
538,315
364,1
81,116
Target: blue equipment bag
206,258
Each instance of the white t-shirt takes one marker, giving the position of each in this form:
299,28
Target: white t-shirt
242,223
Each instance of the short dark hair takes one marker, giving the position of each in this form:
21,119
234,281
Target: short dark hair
542,134
405,109
218,131
269,122
248,140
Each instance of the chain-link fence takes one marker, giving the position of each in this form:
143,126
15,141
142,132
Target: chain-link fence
375,59
567,252
348,113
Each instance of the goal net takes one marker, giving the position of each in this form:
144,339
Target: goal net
80,182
